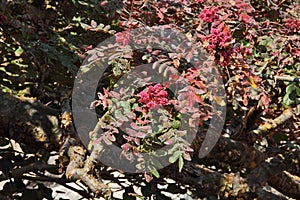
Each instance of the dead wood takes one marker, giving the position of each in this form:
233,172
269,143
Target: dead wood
28,121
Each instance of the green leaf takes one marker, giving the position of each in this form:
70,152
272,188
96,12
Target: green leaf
290,88
179,116
265,41
19,51
120,116
74,2
85,26
298,91
140,165
117,71
84,3
180,163
175,147
286,100
154,171
76,19
176,124
5,89
175,156
160,153
135,105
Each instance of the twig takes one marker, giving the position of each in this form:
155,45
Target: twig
282,78
101,122
267,126
32,168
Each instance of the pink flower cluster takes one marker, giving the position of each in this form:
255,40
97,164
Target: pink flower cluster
219,39
154,96
123,38
201,1
209,14
293,24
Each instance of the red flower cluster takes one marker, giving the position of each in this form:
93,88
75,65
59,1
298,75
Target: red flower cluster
154,96
293,24
201,1
220,40
123,38
209,14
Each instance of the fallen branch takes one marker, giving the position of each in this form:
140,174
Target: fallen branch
29,122
265,171
215,183
286,183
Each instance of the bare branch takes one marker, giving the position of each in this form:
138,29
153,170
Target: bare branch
286,183
282,78
81,169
